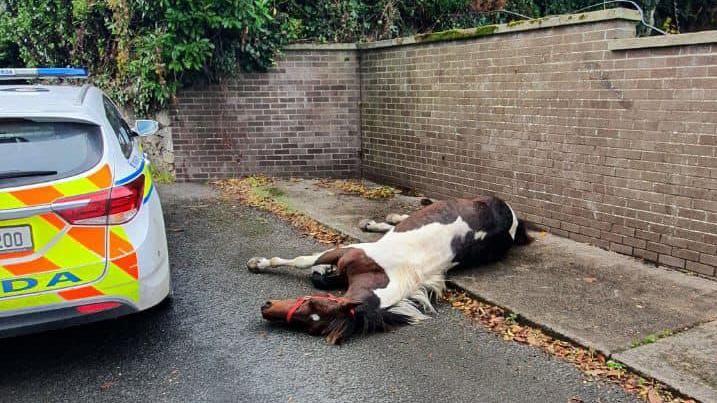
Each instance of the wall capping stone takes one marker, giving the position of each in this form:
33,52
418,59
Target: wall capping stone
477,32
695,38
512,27
321,46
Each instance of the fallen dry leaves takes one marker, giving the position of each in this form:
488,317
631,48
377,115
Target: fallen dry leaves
245,191
593,364
357,187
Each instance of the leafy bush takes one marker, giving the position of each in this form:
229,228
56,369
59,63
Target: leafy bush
673,16
141,51
361,20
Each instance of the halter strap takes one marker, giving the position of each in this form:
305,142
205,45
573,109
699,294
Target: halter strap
302,300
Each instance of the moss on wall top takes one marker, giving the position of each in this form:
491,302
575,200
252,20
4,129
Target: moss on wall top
456,34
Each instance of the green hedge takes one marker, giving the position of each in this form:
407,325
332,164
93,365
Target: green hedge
141,51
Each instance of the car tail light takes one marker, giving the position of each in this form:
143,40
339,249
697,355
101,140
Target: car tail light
112,206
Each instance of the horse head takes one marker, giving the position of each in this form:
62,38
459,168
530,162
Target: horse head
321,314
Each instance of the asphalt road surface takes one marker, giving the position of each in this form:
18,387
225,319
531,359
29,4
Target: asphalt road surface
210,343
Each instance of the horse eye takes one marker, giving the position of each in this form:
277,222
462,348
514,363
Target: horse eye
315,317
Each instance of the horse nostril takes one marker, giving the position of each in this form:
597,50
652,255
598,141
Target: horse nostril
266,305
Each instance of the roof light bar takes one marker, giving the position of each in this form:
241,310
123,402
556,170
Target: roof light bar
42,72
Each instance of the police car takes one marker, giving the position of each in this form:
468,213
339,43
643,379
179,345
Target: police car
81,229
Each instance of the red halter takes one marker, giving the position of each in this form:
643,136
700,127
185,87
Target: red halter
302,300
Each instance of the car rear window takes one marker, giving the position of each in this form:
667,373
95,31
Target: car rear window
35,152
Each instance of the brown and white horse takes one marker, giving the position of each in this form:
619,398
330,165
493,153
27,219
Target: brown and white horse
390,282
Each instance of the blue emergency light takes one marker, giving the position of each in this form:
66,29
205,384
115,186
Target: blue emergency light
42,72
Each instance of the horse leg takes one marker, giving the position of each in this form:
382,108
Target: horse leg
382,227
373,226
328,277
395,219
328,258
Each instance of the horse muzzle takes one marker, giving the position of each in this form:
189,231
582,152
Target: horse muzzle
274,311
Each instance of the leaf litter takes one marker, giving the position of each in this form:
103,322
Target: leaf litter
357,187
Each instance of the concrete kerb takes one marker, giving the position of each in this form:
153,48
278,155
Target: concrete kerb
671,360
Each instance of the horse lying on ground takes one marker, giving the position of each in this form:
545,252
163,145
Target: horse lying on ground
390,282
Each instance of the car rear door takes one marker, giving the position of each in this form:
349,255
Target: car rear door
54,191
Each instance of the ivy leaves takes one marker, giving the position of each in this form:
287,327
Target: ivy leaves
142,51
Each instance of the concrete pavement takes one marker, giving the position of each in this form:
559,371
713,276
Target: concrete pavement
599,299
686,359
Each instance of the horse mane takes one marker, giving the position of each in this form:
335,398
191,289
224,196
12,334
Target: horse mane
368,318
419,302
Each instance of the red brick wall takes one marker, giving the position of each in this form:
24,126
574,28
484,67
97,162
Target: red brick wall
301,119
613,148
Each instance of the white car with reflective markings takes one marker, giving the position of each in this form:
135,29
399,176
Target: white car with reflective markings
82,234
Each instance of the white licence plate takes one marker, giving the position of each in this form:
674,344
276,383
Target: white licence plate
15,239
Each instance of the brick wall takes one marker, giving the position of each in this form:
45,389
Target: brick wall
300,119
617,148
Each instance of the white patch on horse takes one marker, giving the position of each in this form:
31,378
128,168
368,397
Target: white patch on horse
480,235
514,226
395,219
322,269
301,262
373,226
415,262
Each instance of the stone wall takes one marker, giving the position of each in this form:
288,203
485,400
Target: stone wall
587,133
300,119
159,148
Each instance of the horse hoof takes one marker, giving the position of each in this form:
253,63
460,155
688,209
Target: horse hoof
328,282
363,224
395,219
253,264
323,269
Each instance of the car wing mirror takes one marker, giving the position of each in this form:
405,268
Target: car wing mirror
145,127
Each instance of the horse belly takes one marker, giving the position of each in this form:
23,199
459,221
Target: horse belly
413,257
